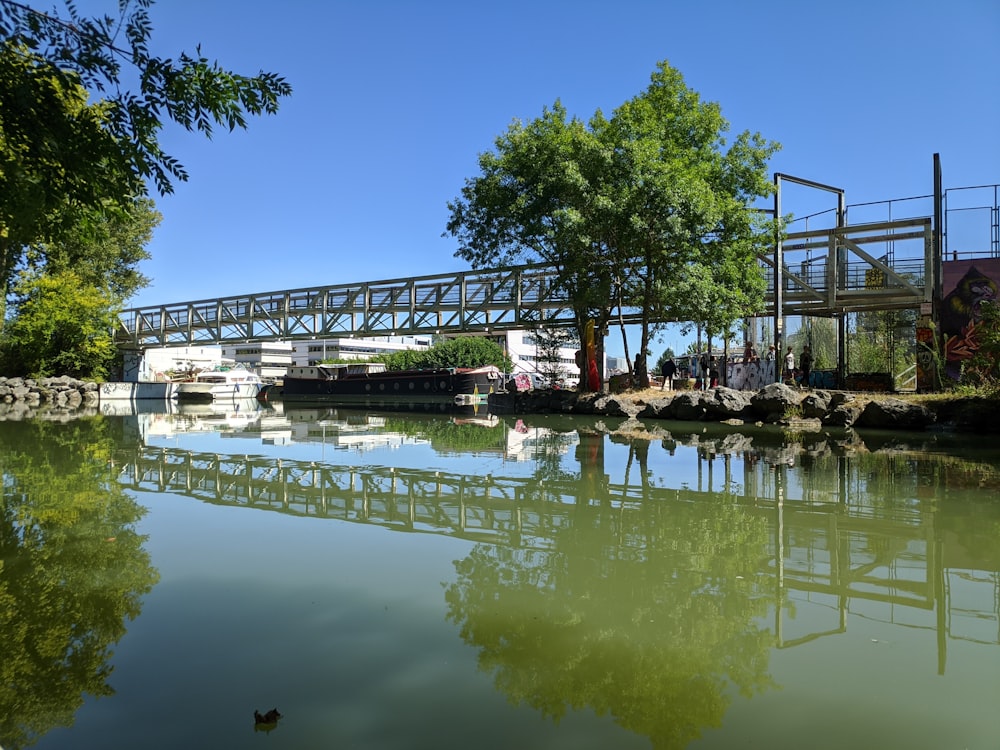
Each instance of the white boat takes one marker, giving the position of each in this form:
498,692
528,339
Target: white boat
220,383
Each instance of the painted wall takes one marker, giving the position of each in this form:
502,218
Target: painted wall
965,286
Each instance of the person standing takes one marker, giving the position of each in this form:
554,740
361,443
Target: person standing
805,365
790,366
667,370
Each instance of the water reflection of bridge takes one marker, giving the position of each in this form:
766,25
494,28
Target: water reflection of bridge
833,548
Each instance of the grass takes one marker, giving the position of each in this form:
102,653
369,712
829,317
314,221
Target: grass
926,399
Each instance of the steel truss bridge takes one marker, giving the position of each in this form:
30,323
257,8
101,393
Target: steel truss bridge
828,272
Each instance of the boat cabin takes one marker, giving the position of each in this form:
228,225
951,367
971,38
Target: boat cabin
336,371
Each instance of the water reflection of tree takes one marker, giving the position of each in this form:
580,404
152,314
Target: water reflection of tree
548,452
646,616
72,570
451,435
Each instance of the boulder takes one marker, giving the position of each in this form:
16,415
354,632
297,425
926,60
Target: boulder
616,406
816,404
843,415
894,414
727,403
774,401
689,405
657,408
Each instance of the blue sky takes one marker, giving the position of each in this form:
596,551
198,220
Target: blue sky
393,101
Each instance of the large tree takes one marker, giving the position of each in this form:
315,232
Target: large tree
538,199
58,151
688,235
648,210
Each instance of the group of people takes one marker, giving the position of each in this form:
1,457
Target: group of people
708,371
805,366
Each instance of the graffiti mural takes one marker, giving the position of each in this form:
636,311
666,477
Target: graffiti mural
823,379
927,375
750,376
966,285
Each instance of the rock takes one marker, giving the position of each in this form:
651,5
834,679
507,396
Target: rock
894,414
689,405
973,414
844,415
657,408
774,401
727,403
816,404
616,406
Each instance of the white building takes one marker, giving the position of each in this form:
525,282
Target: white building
312,352
616,365
269,359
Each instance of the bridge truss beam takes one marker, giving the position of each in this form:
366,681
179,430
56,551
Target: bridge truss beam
874,267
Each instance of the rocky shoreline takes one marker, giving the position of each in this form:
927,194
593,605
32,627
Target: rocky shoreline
775,404
61,393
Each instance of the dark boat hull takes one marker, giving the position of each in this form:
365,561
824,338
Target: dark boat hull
397,388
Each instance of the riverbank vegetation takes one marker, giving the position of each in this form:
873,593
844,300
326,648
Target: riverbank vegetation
465,351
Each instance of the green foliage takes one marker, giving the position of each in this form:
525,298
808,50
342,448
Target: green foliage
536,200
821,336
465,351
646,209
882,341
982,370
60,155
687,234
793,412
63,326
56,155
103,247
192,91
72,572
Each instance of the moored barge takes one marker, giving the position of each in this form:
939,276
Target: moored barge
371,384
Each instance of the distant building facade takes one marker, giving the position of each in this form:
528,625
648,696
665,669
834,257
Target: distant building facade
312,352
270,359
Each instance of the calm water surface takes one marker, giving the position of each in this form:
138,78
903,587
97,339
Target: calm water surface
407,581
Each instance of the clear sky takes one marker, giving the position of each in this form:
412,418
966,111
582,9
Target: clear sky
393,101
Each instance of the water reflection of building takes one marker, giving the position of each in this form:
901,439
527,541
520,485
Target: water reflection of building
338,428
526,443
224,416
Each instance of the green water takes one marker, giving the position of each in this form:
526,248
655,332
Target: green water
405,581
